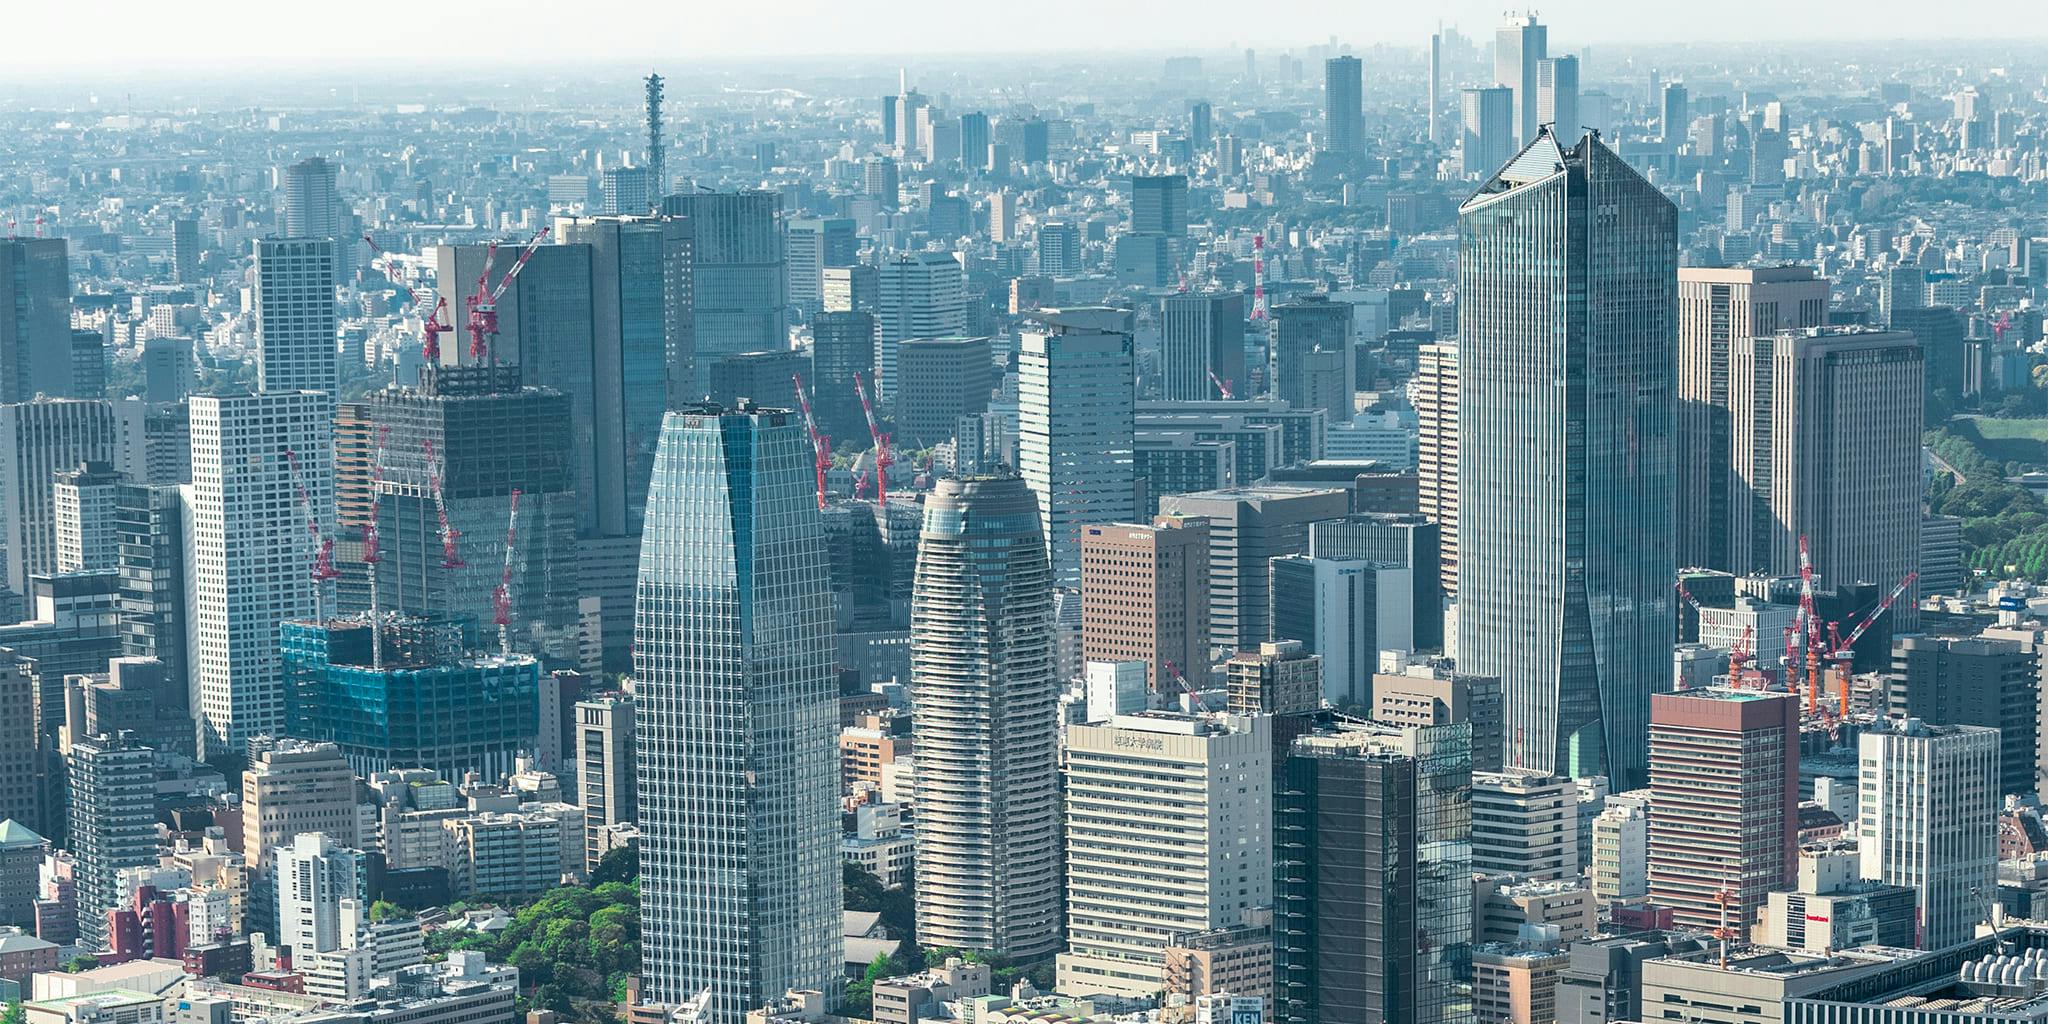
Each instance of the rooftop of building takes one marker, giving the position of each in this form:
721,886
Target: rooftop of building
15,834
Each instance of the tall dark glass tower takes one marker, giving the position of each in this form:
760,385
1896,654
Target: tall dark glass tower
739,719
1567,319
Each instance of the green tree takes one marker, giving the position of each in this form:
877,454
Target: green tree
619,864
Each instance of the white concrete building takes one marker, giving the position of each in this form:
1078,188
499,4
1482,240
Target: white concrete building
1525,823
1928,820
1167,831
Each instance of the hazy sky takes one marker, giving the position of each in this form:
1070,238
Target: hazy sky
137,35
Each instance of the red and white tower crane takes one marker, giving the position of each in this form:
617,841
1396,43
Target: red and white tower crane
884,458
323,568
1222,386
501,598
821,448
431,327
451,558
1845,651
483,304
1259,277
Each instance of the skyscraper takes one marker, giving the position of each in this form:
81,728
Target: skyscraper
1434,393
923,295
1518,47
295,315
1145,596
112,787
1343,105
1973,681
310,209
1724,802
1201,333
1201,124
1557,93
1928,820
1248,528
1565,493
1715,307
814,244
1311,357
1824,449
984,693
249,554
1393,805
1488,118
1159,204
974,141
1436,84
739,288
738,719
35,318
1675,118
39,439
842,344
1076,427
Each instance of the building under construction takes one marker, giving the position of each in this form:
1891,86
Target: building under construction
410,692
451,455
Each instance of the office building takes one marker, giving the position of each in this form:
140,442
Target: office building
881,180
1675,120
1557,94
111,783
1991,683
1370,802
1059,249
1621,850
1724,802
1519,47
149,541
168,372
605,765
1487,117
1275,678
35,318
38,440
1343,105
293,787
767,378
295,315
987,747
1827,456
1716,306
1537,560
627,191
1434,393
1145,597
1525,823
1075,427
857,288
1927,820
920,295
1201,348
815,243
1311,363
1427,692
1248,527
739,287
1159,204
1405,549
940,380
1331,606
311,207
642,354
22,764
974,141
248,557
739,877
842,345
1196,835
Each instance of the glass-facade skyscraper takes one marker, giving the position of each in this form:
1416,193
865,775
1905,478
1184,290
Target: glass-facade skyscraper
738,721
1567,285
981,650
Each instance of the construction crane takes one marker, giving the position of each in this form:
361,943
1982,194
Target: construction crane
432,328
1178,677
323,545
821,448
373,548
501,598
1739,655
451,558
1222,386
884,458
1845,651
483,305
1999,328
